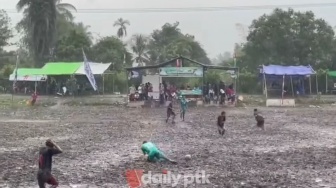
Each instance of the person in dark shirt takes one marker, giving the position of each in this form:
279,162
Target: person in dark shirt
170,112
45,163
260,119
220,123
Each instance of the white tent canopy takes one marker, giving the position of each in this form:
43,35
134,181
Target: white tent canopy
28,78
96,68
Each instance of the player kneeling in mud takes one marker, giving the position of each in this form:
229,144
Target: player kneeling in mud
45,162
260,119
220,123
170,112
153,153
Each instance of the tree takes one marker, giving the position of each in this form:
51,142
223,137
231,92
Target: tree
170,42
5,30
69,46
289,38
140,49
111,49
39,25
121,23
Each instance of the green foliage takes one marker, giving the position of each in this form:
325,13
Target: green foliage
111,49
122,24
289,38
69,46
5,30
39,25
169,42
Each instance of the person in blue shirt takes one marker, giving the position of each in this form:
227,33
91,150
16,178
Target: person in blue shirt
184,107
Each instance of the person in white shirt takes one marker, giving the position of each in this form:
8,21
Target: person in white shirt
140,92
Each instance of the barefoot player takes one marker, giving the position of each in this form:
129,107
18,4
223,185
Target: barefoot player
153,153
45,162
170,112
184,106
220,123
260,119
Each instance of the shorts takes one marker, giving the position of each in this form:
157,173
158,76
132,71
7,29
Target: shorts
260,123
221,128
156,156
170,113
44,176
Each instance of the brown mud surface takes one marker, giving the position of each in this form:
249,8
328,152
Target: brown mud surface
101,143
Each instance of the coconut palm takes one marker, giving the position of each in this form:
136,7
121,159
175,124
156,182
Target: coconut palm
39,24
140,49
121,23
64,9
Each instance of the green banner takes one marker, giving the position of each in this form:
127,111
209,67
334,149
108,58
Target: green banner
181,72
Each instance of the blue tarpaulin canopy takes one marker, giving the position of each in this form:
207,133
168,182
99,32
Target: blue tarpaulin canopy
286,70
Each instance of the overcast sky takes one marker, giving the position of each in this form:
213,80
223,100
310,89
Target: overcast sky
216,31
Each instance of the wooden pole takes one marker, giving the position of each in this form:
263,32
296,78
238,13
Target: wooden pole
283,87
292,86
326,83
310,89
103,75
317,89
265,86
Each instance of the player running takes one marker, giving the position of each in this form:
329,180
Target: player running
220,123
184,107
170,112
153,153
260,119
45,162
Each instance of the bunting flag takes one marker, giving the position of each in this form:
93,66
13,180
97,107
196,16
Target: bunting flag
88,72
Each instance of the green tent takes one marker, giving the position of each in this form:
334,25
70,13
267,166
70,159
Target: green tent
28,74
27,71
60,68
332,73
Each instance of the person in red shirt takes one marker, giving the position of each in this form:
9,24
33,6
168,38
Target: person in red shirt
45,162
34,97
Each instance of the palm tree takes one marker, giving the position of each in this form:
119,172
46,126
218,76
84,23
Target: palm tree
64,9
39,24
140,49
121,23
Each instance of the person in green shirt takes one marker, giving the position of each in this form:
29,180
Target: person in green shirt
153,153
184,106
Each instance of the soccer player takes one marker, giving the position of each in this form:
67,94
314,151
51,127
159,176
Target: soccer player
184,106
153,153
45,162
260,119
170,112
34,97
220,123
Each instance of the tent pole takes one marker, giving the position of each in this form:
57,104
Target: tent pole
127,90
317,89
326,83
265,85
103,75
283,87
310,88
292,86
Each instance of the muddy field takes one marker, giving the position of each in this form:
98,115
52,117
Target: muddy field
101,143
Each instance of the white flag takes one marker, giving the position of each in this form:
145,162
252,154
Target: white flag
16,72
88,72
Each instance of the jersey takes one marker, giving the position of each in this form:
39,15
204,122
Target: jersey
184,105
45,158
152,151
